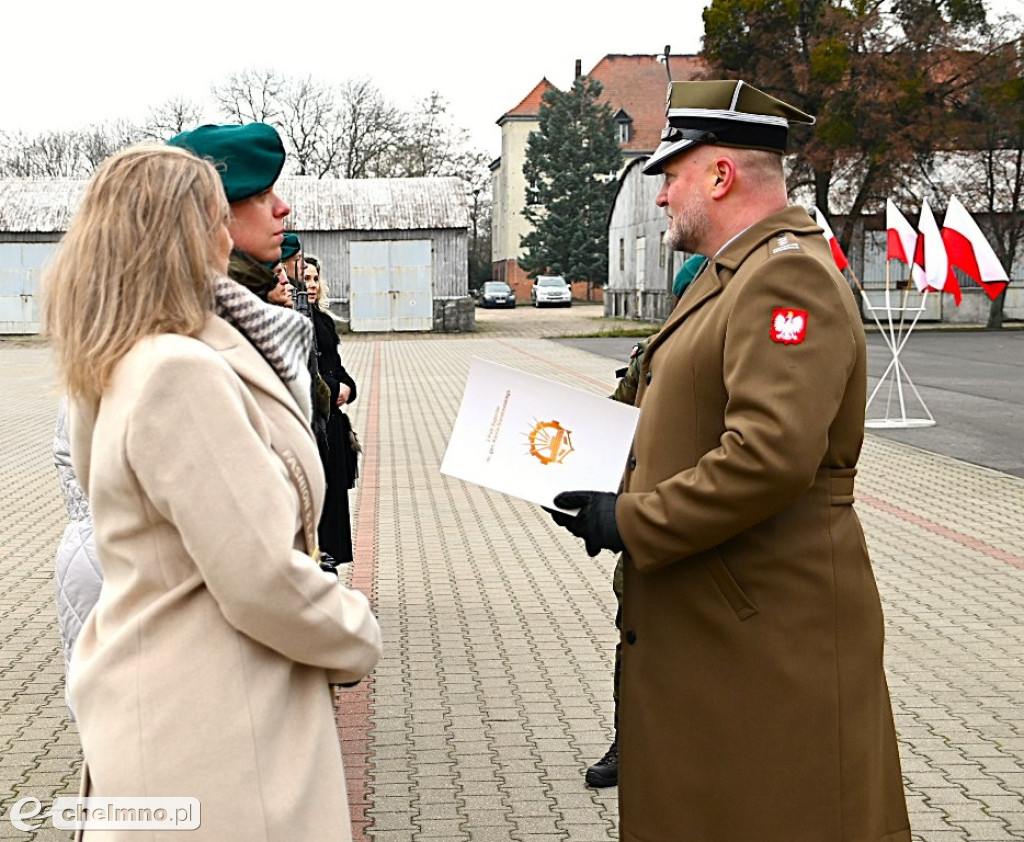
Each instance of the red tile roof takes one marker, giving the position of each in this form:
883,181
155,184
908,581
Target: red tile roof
530,105
634,84
638,85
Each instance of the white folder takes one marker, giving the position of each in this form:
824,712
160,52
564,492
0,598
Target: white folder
532,438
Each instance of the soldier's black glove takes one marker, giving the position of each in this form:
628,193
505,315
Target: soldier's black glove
328,563
594,522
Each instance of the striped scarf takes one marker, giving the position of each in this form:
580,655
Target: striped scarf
282,336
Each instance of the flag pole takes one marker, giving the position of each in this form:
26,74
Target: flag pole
903,304
896,373
902,245
888,304
870,306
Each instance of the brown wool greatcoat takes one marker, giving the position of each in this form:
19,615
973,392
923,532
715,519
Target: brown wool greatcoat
754,706
203,670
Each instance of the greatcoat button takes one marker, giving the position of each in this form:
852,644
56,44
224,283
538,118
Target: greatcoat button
631,637
647,377
632,463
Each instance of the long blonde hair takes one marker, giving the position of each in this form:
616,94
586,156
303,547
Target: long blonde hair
323,300
138,258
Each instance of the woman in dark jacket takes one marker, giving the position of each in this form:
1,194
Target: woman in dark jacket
340,464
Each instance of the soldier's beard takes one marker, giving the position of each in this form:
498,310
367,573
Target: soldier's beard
689,226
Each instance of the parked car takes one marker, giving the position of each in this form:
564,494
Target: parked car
497,294
550,289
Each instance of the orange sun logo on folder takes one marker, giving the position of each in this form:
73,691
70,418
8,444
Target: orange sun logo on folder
550,442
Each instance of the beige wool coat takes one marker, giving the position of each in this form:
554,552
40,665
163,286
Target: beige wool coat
203,670
754,706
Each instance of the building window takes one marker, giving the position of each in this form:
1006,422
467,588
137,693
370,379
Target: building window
641,262
661,254
624,126
622,255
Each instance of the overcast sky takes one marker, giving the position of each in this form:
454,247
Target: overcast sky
67,63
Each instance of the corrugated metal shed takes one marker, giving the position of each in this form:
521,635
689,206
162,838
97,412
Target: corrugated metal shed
375,204
45,205
332,216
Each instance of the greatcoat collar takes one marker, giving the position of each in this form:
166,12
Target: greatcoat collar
721,268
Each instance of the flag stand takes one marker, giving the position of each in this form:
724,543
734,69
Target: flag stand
895,332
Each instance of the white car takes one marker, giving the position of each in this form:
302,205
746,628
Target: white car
551,289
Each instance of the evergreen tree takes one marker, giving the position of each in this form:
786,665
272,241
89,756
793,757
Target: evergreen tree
570,170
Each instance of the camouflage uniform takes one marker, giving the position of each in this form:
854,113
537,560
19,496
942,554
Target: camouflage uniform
629,377
250,273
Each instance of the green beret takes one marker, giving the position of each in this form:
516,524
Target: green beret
687,272
723,113
290,246
249,158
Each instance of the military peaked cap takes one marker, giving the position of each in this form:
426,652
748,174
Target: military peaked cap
723,113
249,158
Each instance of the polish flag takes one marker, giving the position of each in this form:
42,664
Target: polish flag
930,255
833,243
902,242
970,252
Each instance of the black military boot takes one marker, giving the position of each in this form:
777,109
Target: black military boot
605,772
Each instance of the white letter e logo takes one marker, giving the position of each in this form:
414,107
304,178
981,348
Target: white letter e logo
17,815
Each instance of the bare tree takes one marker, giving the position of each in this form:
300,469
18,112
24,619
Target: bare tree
309,118
369,131
98,142
251,96
352,132
349,131
172,117
55,154
14,159
71,153
50,154
432,143
477,176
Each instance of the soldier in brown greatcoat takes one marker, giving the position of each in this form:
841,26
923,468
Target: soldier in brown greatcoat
754,705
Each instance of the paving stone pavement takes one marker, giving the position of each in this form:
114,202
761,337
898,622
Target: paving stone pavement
494,692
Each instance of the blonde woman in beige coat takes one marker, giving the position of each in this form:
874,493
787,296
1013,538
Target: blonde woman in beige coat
203,670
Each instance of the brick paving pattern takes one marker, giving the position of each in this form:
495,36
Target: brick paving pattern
494,692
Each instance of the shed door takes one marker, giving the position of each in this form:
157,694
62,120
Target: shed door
391,286
21,264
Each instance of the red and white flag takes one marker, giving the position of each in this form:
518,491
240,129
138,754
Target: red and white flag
833,243
902,242
970,252
930,255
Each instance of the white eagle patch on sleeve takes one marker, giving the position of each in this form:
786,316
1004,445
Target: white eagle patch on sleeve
788,326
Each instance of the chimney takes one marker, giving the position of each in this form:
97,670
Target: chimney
579,69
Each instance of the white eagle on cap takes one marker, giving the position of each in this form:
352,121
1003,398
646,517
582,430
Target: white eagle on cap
788,326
